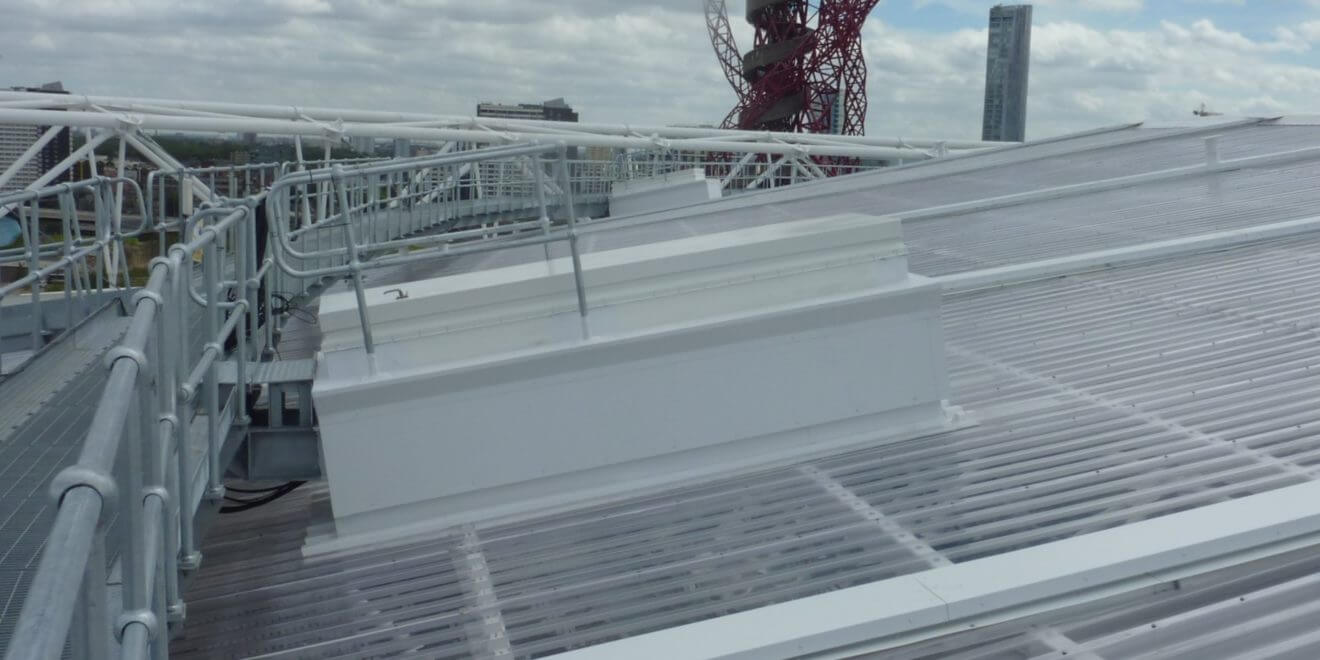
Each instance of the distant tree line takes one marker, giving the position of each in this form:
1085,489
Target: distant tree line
209,152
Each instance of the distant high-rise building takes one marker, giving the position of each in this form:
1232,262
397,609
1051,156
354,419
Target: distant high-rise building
837,110
362,144
15,139
552,110
1006,63
599,153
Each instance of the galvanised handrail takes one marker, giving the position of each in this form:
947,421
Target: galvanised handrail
360,253
73,255
160,378
156,374
145,412
26,205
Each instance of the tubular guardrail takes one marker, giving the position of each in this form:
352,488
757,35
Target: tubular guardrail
320,225
88,265
163,395
307,252
149,399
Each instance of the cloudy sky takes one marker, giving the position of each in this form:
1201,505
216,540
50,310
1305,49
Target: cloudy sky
1094,62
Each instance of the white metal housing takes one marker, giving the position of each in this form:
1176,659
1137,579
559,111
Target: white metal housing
663,192
699,356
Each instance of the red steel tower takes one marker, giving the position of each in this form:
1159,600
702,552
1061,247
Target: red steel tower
805,71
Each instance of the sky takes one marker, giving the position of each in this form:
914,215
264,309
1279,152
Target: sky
1094,62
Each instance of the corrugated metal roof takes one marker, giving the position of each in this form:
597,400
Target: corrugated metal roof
1074,224
1252,611
1102,398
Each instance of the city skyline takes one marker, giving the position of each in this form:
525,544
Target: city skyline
1094,63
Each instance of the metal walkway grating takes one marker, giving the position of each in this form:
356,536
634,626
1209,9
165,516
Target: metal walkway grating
44,413
51,402
1103,399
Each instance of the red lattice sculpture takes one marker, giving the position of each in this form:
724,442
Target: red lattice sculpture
806,54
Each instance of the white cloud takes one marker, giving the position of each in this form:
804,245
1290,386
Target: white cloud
1203,32
1309,30
980,6
1082,77
625,62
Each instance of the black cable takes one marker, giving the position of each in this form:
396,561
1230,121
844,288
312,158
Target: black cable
246,505
265,493
287,306
257,491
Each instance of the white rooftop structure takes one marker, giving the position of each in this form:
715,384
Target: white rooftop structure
1117,455
1125,323
695,356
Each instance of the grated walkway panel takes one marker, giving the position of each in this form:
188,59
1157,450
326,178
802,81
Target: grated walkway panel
44,413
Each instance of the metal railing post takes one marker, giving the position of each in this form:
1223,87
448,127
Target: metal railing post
132,553
573,240
167,422
94,610
243,274
211,283
181,259
29,218
66,225
355,269
146,499
539,177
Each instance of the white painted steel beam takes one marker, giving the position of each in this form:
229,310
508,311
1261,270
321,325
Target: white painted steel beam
27,155
435,135
211,108
87,149
955,164
165,161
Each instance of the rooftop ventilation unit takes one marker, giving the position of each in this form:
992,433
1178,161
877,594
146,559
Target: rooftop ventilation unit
492,396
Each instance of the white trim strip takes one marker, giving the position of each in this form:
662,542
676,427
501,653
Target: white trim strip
384,130
1050,637
1019,152
1116,183
1103,259
219,108
924,605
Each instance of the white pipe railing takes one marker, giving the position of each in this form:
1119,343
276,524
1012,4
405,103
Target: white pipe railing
364,215
161,378
562,130
441,135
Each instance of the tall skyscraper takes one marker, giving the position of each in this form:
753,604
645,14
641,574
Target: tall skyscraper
16,138
1007,60
838,110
